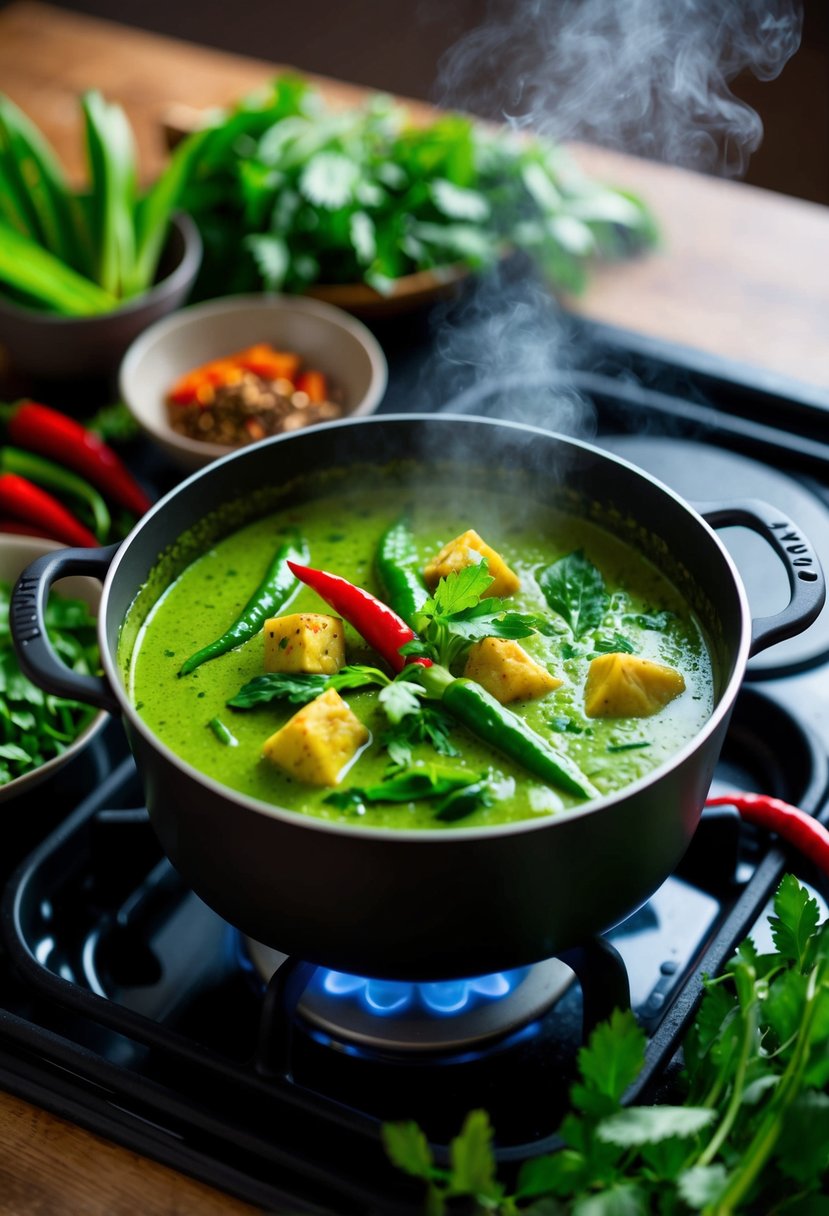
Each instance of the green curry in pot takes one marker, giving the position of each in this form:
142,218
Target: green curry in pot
580,642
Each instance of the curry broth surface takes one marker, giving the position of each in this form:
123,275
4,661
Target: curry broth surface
342,532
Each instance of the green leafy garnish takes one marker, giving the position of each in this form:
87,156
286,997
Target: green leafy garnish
430,724
298,688
288,193
414,784
574,588
751,1136
459,614
632,745
36,726
612,643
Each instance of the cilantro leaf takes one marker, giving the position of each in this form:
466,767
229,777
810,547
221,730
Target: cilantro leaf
636,1125
408,1148
472,1159
401,699
610,1062
702,1185
459,614
795,921
431,724
459,590
574,588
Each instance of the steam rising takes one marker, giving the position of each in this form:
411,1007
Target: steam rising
649,77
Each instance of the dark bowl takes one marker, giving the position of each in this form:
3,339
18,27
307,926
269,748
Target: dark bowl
48,347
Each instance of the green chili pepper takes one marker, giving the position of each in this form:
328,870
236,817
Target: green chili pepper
53,476
398,569
492,722
222,733
467,701
276,588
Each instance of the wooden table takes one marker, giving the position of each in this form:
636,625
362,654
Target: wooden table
741,274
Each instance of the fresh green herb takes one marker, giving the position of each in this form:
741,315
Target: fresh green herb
222,733
628,747
35,726
458,614
81,253
751,1136
459,804
298,688
409,786
287,193
431,724
574,588
612,643
649,620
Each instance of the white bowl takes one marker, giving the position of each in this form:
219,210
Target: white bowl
326,338
16,553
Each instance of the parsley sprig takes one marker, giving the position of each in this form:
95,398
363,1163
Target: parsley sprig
459,614
752,1135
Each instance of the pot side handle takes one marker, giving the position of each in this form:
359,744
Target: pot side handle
38,660
807,584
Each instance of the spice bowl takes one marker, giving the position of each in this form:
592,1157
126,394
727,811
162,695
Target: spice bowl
16,554
325,339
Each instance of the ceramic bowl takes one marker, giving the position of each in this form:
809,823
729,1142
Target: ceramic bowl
16,553
48,347
326,338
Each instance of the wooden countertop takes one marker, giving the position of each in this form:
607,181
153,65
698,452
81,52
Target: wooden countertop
741,273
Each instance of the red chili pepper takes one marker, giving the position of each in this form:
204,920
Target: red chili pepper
382,628
19,529
47,431
791,824
30,504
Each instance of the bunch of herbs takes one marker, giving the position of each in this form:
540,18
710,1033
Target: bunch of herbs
288,193
750,1133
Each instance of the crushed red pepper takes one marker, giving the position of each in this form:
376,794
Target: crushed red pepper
257,392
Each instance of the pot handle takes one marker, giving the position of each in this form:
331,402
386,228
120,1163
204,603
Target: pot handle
806,581
38,660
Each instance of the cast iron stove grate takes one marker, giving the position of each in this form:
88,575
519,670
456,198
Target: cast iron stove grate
128,1010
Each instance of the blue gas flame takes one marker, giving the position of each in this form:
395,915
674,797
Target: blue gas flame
445,998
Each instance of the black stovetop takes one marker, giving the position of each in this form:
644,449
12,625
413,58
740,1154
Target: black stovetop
128,1006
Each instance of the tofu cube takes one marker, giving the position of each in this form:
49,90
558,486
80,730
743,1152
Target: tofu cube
316,744
463,551
625,686
306,642
507,672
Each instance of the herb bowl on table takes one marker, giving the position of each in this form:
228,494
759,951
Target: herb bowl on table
221,375
39,734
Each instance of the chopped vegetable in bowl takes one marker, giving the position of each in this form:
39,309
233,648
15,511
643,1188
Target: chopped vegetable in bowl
37,729
250,395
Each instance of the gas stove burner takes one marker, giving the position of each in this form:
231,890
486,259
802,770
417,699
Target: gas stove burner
422,1017
704,473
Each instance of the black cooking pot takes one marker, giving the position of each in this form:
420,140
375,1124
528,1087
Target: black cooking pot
446,903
